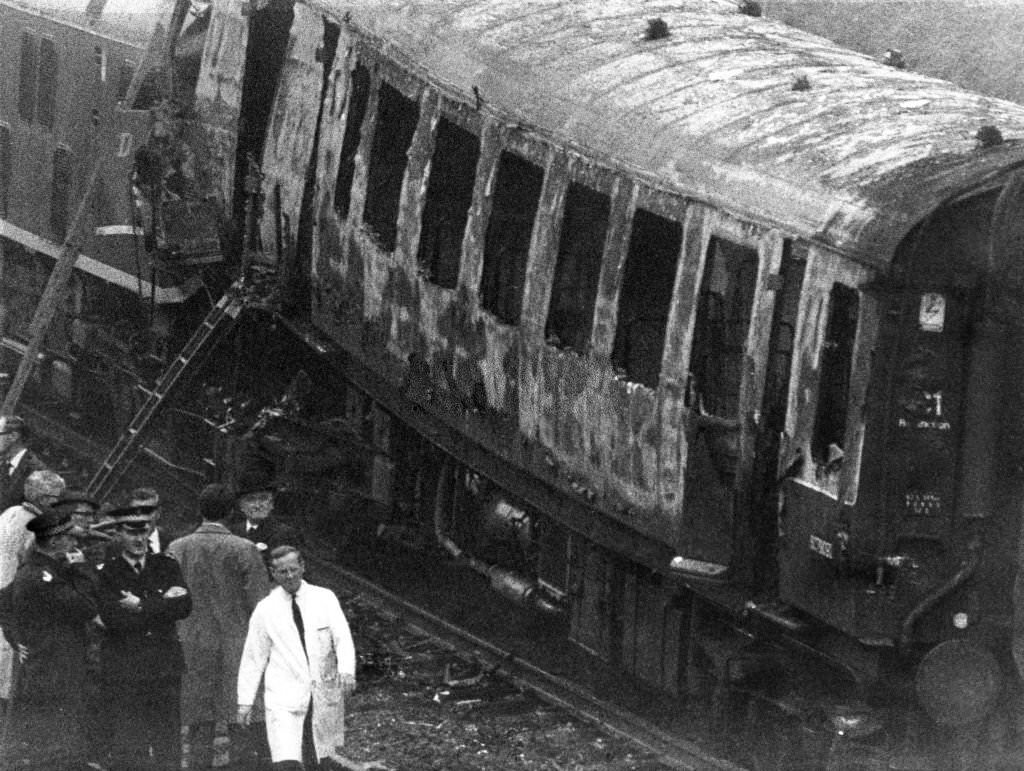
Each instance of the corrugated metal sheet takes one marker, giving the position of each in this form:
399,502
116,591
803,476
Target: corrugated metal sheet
854,161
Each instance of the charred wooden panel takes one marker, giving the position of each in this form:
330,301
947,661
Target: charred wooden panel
218,101
287,152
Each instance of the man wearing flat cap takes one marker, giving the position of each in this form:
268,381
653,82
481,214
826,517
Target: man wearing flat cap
84,511
141,597
46,612
17,461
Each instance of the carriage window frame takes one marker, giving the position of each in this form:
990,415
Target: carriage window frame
62,179
638,350
396,117
726,304
503,280
6,168
440,258
835,379
575,280
28,69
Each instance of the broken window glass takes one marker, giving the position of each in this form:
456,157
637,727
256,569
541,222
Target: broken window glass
578,266
397,117
645,297
449,195
509,230
721,327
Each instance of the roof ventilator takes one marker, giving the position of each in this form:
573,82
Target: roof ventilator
801,83
657,29
894,58
988,136
750,8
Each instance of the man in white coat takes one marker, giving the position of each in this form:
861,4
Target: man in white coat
299,643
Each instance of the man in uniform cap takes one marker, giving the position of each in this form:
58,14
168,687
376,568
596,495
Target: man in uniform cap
141,596
147,500
84,511
17,461
46,612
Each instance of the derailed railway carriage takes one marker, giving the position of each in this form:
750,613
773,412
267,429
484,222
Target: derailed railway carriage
685,323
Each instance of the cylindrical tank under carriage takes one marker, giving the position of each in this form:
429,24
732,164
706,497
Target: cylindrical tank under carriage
695,325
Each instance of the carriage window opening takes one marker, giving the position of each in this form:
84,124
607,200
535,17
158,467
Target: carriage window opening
396,123
574,288
124,79
645,297
359,92
27,77
507,242
101,64
449,195
47,97
721,326
61,191
834,377
5,168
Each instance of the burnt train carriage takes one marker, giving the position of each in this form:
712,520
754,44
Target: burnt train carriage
656,268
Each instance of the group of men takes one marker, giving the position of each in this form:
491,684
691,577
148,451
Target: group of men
124,651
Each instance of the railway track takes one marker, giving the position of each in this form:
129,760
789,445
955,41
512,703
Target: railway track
667,750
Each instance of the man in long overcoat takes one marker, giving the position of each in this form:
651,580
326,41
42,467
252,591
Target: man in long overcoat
46,611
142,597
299,644
226,576
42,489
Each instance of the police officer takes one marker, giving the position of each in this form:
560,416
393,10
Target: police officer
45,614
141,597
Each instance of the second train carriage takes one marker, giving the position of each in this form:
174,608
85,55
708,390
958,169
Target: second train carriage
715,325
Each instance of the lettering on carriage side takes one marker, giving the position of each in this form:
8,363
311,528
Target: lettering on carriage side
821,546
923,504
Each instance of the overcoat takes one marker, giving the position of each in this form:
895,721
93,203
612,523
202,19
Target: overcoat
274,652
47,607
269,534
12,485
15,542
226,577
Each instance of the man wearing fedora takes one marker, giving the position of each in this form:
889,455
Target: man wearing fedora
255,502
141,597
46,612
17,461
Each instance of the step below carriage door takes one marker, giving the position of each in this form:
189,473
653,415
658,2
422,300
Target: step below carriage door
719,419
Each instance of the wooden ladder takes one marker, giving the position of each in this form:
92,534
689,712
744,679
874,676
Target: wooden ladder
220,318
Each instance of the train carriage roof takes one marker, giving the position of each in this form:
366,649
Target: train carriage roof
714,109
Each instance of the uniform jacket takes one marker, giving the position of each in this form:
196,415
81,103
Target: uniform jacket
12,486
274,651
227,578
270,534
142,645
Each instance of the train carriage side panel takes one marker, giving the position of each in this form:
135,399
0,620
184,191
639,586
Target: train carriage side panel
291,131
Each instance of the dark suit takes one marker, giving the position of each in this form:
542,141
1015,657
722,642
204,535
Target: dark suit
12,486
47,608
141,660
271,532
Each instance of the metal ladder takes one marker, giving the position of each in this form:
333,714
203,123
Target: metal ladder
217,321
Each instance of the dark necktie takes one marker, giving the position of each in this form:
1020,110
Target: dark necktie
297,618
137,567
